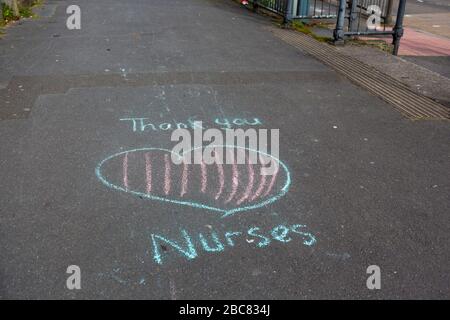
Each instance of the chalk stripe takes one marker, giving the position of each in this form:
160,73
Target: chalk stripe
272,182
167,178
204,176
261,186
125,171
235,181
184,179
221,178
251,180
224,212
148,172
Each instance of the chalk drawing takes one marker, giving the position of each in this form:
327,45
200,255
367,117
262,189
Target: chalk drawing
224,189
248,190
189,251
239,187
167,177
230,123
204,176
264,241
215,239
220,171
235,180
143,124
190,245
272,182
184,179
148,172
125,171
260,189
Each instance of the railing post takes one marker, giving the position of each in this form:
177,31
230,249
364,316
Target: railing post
288,14
304,8
388,18
338,33
255,5
352,20
398,29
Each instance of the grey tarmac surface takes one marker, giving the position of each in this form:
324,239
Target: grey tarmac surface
370,186
440,65
426,6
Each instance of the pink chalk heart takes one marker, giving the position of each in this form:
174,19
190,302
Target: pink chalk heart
227,189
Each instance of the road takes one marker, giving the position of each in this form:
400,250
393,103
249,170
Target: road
429,48
367,186
427,6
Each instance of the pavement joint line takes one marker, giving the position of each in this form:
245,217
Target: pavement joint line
17,99
403,99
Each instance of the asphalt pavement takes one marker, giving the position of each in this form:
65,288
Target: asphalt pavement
360,184
429,47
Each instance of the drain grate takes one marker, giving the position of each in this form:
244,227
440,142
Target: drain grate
409,103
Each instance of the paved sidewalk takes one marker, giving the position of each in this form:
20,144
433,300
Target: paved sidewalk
427,35
361,184
434,23
426,40
421,43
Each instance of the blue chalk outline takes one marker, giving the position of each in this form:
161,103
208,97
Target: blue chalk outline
225,213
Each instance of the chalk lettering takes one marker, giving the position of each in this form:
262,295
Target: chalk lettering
189,252
225,123
213,243
311,239
215,239
280,233
253,232
165,126
229,237
144,124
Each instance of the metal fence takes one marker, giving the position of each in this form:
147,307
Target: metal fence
294,9
314,9
361,13
324,9
353,17
369,18
277,6
384,5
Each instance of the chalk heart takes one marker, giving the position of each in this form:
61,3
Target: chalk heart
230,194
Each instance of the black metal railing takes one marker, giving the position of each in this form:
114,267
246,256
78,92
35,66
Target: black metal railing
384,5
366,18
294,9
277,6
314,9
353,17
366,15
328,9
